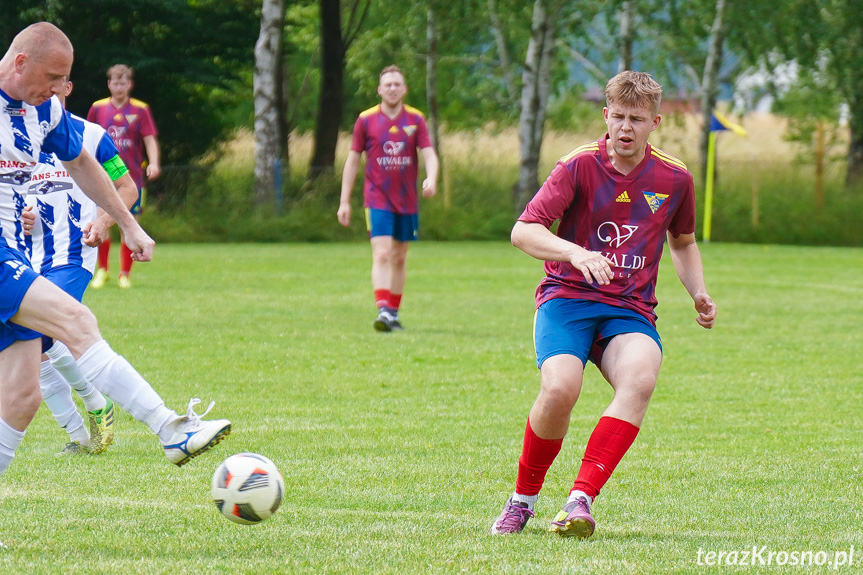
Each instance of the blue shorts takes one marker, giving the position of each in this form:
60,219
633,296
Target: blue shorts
16,277
71,279
583,328
402,227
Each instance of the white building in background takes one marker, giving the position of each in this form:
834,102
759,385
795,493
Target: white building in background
756,89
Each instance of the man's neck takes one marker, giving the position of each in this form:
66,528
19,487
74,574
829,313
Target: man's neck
119,102
391,111
624,165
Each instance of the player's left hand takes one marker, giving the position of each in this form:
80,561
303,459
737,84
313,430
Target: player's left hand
706,310
429,188
153,171
95,233
28,220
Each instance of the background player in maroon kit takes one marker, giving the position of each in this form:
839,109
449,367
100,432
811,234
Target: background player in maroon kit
618,200
390,135
130,124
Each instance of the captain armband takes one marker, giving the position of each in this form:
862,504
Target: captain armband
116,168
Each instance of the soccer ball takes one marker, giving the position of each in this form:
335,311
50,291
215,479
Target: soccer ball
247,488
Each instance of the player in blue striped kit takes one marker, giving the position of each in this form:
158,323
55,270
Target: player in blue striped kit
34,69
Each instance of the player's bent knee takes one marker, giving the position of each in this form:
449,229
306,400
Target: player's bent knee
26,400
560,393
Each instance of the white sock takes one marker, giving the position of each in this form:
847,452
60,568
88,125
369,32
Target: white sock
62,359
10,439
115,377
529,499
57,395
578,495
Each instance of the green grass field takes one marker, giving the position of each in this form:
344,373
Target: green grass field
398,450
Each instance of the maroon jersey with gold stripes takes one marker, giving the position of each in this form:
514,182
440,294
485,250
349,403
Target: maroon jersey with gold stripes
623,217
391,146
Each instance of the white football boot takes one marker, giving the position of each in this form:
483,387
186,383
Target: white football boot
192,436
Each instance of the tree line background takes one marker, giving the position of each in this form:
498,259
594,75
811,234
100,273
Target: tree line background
280,67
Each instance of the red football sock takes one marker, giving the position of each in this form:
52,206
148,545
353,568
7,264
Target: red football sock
395,301
382,298
104,249
125,259
537,455
608,443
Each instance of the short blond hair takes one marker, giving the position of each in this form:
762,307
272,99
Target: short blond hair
635,89
392,70
119,71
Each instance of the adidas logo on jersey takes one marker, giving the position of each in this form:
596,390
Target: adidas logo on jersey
624,197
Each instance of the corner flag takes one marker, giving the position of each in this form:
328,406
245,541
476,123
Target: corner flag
718,123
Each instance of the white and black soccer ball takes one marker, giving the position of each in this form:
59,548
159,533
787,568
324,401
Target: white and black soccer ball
247,488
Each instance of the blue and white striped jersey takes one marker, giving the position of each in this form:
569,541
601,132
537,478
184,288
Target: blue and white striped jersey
62,208
25,132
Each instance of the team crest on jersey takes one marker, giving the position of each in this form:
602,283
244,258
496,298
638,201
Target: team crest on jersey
624,197
131,118
654,200
15,111
409,130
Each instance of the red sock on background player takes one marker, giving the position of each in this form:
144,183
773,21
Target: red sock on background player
104,250
125,260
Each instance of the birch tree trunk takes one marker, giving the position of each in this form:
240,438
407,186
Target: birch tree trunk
432,99
710,80
534,101
627,35
431,80
502,52
267,93
854,175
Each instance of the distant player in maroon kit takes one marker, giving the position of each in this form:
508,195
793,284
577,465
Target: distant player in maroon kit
617,200
130,124
390,135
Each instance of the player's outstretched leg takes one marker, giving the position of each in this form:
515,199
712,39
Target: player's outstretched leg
183,437
574,520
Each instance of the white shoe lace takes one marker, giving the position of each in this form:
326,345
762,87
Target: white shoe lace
191,416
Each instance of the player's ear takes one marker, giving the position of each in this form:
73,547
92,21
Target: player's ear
68,88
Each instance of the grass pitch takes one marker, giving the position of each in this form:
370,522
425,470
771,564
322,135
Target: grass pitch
398,450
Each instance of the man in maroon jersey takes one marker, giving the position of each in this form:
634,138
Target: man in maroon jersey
617,199
130,124
389,134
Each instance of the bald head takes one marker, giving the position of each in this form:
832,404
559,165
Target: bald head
37,63
41,41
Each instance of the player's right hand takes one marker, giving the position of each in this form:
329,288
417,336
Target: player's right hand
344,214
139,243
594,266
